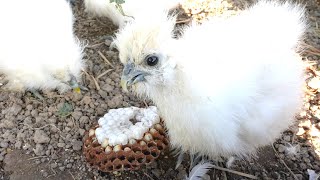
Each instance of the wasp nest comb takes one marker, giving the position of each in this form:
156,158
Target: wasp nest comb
125,139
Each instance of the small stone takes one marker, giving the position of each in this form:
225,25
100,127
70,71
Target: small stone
281,148
15,109
81,131
39,150
54,156
303,166
77,145
299,176
18,145
76,115
287,138
108,42
54,165
86,100
40,137
103,94
107,88
61,145
62,168
44,174
4,144
69,166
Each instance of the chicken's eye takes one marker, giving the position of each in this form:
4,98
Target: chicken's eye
152,60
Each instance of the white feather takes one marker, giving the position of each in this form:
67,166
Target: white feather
236,84
103,8
199,171
38,49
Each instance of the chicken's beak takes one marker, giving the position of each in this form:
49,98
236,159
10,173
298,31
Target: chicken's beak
74,84
131,76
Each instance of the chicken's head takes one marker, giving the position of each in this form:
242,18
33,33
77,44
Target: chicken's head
145,51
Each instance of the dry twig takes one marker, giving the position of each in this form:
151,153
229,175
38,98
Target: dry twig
104,73
105,59
235,172
94,80
294,176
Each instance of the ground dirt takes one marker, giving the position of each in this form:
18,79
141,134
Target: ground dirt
43,139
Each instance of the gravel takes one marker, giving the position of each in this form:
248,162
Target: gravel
50,140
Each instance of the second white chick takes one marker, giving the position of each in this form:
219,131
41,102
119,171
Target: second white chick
38,49
131,8
225,87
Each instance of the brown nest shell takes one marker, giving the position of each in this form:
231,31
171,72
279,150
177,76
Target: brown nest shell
125,157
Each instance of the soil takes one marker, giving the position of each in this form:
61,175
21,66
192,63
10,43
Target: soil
43,139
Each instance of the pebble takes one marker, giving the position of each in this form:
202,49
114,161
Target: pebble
39,150
62,168
86,100
15,109
61,145
40,137
69,166
76,115
77,145
287,138
4,144
54,165
281,148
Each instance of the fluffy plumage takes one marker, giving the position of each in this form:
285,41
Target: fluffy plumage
103,8
225,87
38,49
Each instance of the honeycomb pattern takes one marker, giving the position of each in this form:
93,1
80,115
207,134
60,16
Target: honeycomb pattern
125,157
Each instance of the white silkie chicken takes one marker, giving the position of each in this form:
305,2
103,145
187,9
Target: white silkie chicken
131,8
38,49
225,87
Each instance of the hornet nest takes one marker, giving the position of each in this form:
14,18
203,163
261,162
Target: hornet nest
125,139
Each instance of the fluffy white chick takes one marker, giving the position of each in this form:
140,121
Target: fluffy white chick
224,88
38,49
131,8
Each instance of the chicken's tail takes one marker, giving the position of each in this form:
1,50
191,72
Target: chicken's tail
281,25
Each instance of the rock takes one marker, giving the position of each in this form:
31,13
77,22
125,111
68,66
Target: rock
287,138
103,94
107,88
39,150
299,176
18,145
40,137
15,109
81,132
54,165
69,166
108,42
86,100
303,166
61,145
76,115
281,148
4,144
62,168
77,145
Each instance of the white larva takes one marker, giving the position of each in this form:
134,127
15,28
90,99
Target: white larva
118,129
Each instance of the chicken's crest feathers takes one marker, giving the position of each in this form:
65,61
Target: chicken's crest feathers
144,36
